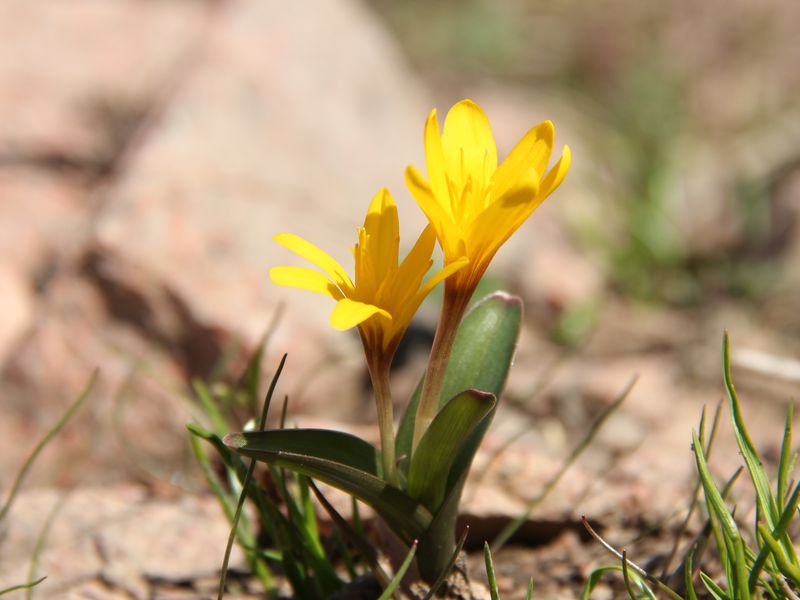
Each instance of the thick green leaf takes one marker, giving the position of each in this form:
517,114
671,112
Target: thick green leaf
430,466
480,360
341,460
334,446
440,538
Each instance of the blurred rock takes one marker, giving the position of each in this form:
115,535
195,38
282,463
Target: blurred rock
282,128
62,66
16,308
232,134
131,427
42,218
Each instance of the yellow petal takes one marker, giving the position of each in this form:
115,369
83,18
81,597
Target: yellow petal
490,230
320,258
349,313
468,145
305,279
440,217
532,151
454,266
416,263
383,234
556,174
434,159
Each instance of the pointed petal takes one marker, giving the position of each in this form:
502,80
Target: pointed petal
349,313
383,230
556,175
442,275
306,279
468,145
320,258
417,262
434,159
531,152
438,216
490,230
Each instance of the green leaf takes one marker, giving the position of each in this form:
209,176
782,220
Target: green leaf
401,572
53,432
785,464
334,446
22,586
737,576
341,460
491,579
755,467
480,360
438,581
717,592
688,579
439,539
428,473
779,533
594,579
790,571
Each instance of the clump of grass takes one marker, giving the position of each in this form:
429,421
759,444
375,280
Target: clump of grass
281,534
756,561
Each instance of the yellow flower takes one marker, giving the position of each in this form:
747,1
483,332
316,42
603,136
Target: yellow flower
473,204
385,295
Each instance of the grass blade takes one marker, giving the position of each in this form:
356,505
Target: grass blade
636,568
512,527
777,533
751,457
62,421
735,563
248,476
401,572
21,586
490,576
688,581
785,463
38,547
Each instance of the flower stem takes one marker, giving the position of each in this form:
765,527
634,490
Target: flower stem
453,308
379,373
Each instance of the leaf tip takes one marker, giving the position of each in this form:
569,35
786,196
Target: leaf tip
235,440
505,297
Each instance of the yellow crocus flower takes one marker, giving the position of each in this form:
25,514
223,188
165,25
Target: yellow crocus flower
385,295
381,301
473,204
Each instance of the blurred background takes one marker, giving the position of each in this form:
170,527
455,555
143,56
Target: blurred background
149,150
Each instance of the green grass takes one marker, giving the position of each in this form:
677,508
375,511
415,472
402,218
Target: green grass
727,559
755,560
19,479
